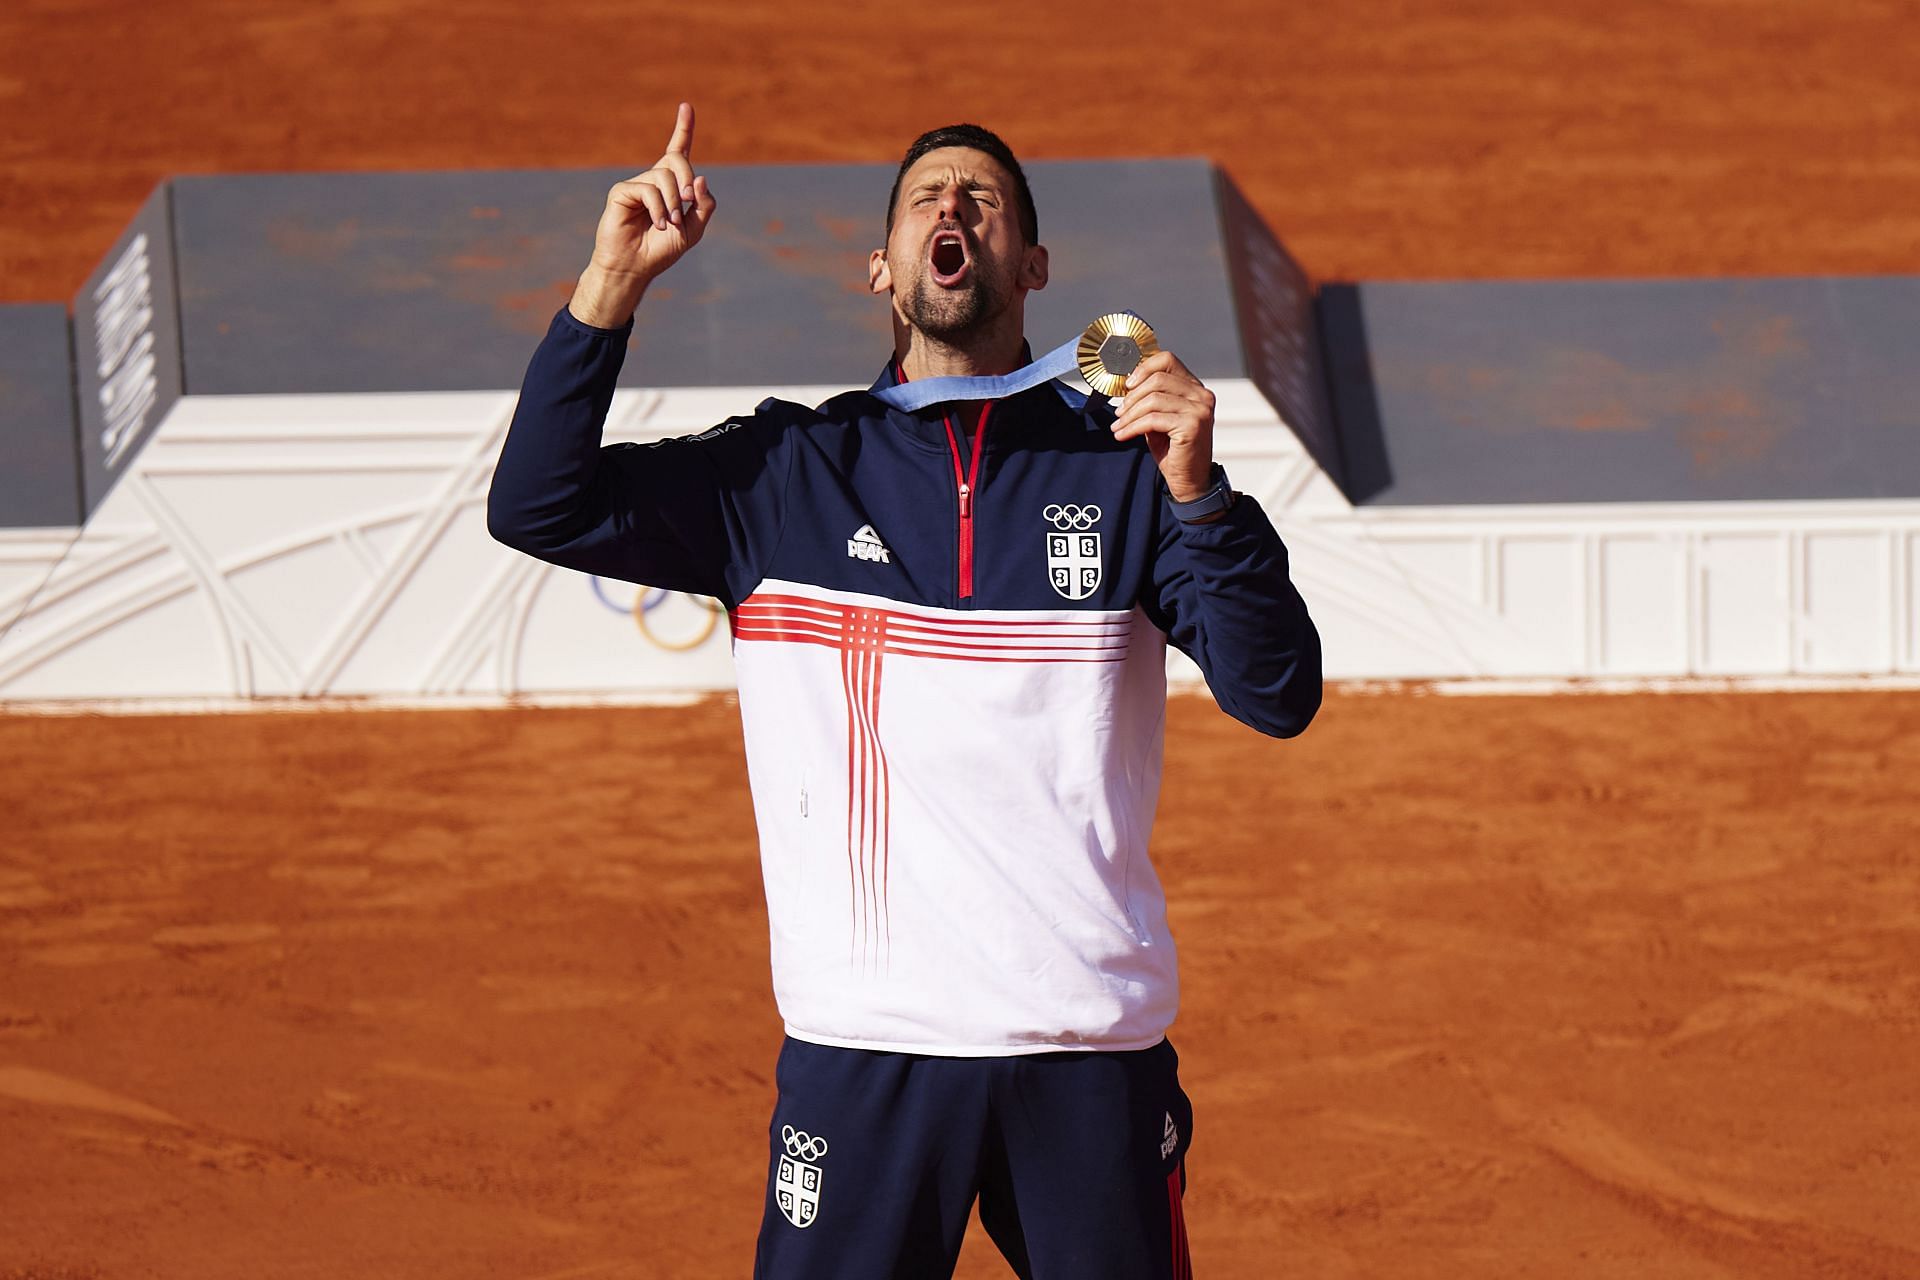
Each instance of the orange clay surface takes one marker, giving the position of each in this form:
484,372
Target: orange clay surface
1379,137
1584,987
1561,987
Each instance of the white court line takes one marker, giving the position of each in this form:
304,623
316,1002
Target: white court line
1510,688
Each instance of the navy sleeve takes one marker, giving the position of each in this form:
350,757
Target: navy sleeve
700,513
1222,594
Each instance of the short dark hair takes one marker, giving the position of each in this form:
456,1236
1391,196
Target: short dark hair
977,139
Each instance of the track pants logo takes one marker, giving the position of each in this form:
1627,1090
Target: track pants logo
796,1185
1073,553
1169,1137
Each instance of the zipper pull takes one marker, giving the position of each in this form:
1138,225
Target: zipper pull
966,501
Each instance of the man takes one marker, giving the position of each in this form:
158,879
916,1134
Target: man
949,630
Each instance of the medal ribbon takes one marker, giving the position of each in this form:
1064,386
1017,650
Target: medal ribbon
1057,363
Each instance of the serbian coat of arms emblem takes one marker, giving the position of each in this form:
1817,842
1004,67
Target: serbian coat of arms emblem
796,1186
1073,549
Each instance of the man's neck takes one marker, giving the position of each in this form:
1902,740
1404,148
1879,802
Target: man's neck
976,355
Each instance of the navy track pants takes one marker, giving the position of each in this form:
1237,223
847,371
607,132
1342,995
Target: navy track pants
1077,1159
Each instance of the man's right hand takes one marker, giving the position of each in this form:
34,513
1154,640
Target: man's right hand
643,231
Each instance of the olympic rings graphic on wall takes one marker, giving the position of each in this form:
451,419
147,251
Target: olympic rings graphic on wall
1071,515
651,598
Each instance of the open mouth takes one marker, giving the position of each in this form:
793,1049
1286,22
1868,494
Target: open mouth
948,258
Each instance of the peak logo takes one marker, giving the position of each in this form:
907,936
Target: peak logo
865,544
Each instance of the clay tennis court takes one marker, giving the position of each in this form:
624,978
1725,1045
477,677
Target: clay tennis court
1609,986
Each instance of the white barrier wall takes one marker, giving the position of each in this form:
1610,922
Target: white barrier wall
335,546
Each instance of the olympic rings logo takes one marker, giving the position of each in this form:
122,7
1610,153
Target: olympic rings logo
1072,516
648,600
802,1145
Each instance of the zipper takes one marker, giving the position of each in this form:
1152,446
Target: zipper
965,485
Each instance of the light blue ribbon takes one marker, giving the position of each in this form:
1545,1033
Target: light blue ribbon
1057,363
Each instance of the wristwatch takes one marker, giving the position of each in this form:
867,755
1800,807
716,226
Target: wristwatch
1218,497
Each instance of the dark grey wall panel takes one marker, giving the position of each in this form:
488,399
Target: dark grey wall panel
40,481
126,331
1274,302
427,281
1139,235
1553,391
1632,390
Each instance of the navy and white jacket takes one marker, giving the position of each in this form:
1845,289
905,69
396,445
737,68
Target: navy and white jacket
952,682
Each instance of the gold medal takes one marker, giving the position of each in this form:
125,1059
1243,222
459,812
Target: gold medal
1113,347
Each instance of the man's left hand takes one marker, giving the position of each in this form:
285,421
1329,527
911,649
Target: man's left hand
1170,407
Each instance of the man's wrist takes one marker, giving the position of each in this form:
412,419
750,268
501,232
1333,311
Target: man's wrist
1209,504
606,299
1184,492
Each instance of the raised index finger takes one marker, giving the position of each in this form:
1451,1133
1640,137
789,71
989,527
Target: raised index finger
682,140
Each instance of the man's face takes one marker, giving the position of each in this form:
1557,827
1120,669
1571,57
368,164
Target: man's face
956,257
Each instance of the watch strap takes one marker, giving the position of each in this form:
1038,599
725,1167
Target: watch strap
1217,498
